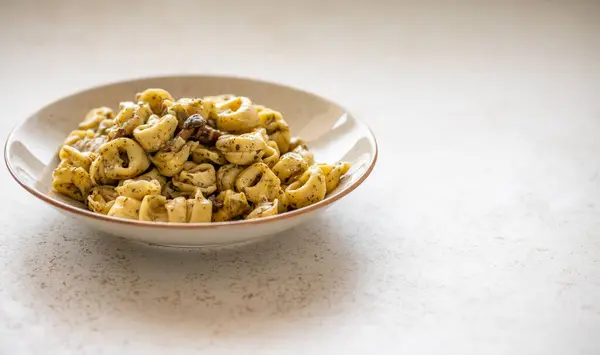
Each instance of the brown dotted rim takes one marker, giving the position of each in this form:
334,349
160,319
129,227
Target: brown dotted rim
246,222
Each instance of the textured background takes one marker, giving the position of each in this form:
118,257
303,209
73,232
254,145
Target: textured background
478,232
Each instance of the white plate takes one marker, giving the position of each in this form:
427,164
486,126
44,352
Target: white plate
331,132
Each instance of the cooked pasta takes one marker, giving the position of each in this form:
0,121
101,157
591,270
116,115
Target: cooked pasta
190,160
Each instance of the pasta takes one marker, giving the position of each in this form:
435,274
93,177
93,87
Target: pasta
122,158
171,158
153,208
258,182
156,132
237,115
71,180
289,165
277,129
244,149
264,209
138,189
125,207
333,173
101,199
190,160
199,209
196,176
227,175
308,189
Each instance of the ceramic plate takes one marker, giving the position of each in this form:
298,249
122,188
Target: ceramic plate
332,133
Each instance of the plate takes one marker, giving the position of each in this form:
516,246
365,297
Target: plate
331,132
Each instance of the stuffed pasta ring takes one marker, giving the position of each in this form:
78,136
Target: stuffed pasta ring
258,182
120,159
310,188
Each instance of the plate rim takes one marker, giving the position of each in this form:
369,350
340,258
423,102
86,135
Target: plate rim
205,225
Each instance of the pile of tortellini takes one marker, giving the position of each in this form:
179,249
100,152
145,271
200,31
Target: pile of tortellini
216,158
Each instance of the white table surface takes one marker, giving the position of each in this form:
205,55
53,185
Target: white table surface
478,232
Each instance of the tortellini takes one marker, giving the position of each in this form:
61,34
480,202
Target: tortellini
76,158
196,176
78,137
125,207
190,160
72,181
186,107
230,205
243,149
128,119
289,165
122,158
258,182
277,129
156,133
95,116
177,210
199,209
310,188
307,155
101,199
138,189
237,115
154,98
264,209
98,173
271,155
153,208
170,160
333,174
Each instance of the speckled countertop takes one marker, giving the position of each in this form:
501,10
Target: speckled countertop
478,232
